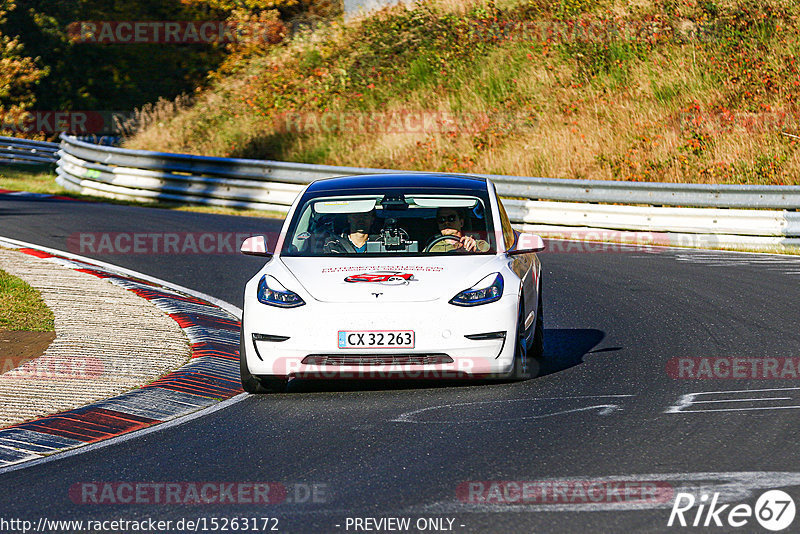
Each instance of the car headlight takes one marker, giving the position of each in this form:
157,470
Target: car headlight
272,292
489,289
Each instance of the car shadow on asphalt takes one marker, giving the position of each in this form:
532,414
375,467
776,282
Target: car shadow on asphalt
566,347
563,348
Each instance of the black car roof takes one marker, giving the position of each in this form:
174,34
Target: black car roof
398,181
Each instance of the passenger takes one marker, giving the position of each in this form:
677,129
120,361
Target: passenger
451,223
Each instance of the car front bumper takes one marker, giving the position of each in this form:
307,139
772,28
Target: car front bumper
440,330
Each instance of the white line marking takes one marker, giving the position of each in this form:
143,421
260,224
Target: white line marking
741,409
689,399
605,409
744,391
743,400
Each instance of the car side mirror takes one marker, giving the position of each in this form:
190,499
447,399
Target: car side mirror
526,244
255,246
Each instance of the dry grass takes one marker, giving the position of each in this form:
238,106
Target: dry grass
555,110
154,115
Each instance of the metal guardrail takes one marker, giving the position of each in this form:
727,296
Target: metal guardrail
652,219
650,193
17,150
605,191
273,185
146,175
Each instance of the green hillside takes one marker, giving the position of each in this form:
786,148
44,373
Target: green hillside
677,91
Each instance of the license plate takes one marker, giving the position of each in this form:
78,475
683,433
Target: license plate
376,339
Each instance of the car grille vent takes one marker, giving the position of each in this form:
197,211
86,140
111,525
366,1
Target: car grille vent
377,359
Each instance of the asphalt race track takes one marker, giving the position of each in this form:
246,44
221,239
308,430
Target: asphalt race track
607,410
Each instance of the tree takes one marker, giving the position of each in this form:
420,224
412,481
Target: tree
108,77
19,73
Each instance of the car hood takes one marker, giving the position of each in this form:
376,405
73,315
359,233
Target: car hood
392,279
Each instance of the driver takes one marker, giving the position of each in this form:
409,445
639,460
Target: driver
357,235
360,225
451,223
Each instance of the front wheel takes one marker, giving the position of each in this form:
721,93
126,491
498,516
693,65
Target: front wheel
528,360
522,360
536,351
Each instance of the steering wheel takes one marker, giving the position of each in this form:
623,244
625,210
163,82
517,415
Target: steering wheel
439,239
334,243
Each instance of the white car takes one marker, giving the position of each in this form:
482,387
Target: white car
393,276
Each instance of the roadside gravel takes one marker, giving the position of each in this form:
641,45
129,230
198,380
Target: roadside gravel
108,341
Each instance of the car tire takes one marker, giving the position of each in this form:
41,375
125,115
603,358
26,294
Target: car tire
536,350
521,368
254,384
534,354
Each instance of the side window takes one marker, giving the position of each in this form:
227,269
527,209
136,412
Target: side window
508,232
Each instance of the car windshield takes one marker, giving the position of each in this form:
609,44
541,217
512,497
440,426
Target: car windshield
391,224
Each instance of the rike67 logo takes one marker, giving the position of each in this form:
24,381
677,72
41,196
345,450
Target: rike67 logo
774,510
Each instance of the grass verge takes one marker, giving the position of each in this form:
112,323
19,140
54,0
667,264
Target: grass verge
21,307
